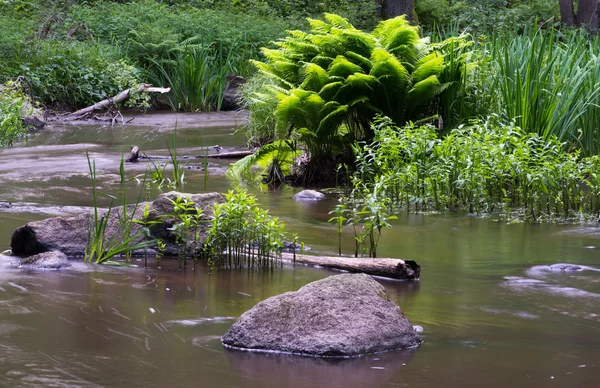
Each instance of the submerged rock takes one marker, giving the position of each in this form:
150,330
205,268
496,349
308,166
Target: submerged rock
46,260
339,316
309,195
565,267
69,235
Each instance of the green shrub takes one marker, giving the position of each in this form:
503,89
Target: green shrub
242,234
14,105
76,73
483,167
330,83
484,16
148,30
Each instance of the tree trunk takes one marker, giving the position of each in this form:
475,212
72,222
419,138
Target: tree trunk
585,11
393,8
567,14
595,22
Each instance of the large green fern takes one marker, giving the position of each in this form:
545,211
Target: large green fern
332,80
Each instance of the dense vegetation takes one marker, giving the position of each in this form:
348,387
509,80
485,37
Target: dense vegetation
482,80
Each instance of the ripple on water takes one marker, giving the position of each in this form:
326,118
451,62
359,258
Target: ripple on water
199,321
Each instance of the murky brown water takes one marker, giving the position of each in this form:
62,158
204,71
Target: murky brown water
493,314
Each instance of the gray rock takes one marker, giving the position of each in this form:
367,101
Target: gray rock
340,316
309,195
565,267
69,235
232,96
46,260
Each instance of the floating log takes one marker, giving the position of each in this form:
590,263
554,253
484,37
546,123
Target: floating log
107,103
389,268
231,154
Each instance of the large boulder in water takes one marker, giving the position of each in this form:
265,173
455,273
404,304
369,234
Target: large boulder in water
70,235
340,316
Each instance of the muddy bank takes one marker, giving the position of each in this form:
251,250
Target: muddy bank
168,119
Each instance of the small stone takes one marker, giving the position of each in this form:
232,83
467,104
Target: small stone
309,195
565,267
46,260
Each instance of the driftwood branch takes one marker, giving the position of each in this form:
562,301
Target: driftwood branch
389,268
111,101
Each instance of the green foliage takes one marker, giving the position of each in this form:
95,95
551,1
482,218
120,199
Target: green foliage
148,30
330,82
14,104
362,13
197,77
190,217
484,16
484,167
76,73
548,84
274,161
242,234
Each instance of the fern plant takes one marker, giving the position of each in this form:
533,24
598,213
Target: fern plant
331,81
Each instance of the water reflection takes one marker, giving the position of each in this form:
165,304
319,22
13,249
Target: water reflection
284,370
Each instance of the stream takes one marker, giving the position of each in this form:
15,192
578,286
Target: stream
494,314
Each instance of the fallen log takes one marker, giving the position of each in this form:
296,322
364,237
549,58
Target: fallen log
231,154
111,101
389,268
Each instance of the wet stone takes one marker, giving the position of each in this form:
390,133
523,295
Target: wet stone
309,195
339,316
46,260
565,267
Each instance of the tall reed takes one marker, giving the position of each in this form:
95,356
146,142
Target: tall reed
548,84
197,76
121,240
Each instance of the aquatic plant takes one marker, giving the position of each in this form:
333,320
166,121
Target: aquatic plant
178,174
125,239
483,167
146,223
338,220
241,234
189,218
157,170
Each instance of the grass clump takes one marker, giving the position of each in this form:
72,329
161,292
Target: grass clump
125,238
